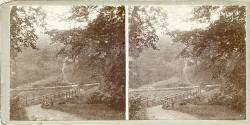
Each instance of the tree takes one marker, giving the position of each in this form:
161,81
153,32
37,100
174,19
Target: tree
101,45
23,24
221,46
144,21
143,25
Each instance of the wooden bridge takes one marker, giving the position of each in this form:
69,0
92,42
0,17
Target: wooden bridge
168,100
187,96
49,99
46,100
180,98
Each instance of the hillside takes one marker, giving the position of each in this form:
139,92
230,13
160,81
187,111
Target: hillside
162,68
42,67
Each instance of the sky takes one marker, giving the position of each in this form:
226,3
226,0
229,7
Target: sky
55,14
177,16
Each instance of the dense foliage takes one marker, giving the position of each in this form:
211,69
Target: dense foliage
23,24
220,47
101,46
17,111
143,24
137,107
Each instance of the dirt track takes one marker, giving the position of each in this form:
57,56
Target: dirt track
35,112
157,113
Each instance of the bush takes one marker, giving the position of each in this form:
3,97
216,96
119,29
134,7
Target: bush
235,100
17,111
94,98
137,109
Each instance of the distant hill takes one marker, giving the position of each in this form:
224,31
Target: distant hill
42,66
162,68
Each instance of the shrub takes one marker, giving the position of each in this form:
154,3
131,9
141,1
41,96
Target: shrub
94,98
234,100
17,111
136,107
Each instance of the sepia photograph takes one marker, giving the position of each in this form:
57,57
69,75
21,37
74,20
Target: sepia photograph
133,61
187,62
67,63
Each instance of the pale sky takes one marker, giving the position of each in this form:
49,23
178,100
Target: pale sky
55,14
176,17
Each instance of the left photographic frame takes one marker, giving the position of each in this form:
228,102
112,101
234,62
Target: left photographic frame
67,63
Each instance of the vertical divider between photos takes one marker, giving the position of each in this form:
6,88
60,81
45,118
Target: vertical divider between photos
127,62
247,27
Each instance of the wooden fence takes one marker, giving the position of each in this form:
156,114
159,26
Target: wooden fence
168,100
184,97
172,100
46,100
49,99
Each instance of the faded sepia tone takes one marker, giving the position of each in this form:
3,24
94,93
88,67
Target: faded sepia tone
5,60
187,62
67,63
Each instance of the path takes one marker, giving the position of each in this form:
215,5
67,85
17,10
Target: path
157,113
35,112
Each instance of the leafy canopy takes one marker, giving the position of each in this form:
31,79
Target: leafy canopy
221,46
23,23
101,45
144,22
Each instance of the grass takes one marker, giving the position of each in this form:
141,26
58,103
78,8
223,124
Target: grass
53,84
79,107
19,115
138,115
211,112
37,93
205,111
91,111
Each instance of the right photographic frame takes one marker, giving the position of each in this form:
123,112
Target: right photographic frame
187,62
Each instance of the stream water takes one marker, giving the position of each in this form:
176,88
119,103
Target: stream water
64,66
185,72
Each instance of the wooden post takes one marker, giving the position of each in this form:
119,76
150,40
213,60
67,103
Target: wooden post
26,100
147,101
42,99
166,102
47,99
51,101
172,101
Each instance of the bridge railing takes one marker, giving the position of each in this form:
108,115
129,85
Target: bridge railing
181,98
48,99
169,100
172,100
